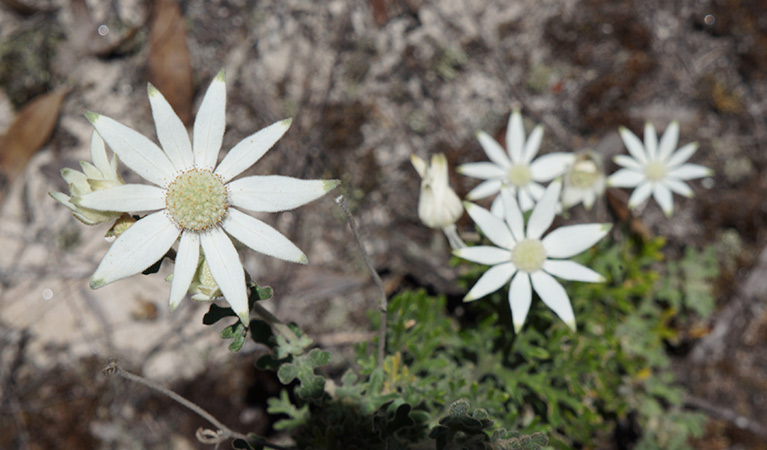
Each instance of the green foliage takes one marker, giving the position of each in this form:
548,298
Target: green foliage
237,331
688,281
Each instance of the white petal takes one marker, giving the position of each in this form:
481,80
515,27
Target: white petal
532,145
689,172
570,270
515,137
550,166
491,281
633,145
187,257
520,297
493,149
544,212
134,149
571,240
682,155
484,189
665,199
99,154
484,254
640,194
275,193
497,206
651,141
482,170
526,202
251,149
261,237
226,268
140,246
668,141
419,164
209,124
171,132
680,187
626,178
492,226
554,296
513,215
536,190
125,198
627,162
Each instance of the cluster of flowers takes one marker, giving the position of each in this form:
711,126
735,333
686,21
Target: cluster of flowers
521,255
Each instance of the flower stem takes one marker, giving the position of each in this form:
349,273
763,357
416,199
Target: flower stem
455,241
383,302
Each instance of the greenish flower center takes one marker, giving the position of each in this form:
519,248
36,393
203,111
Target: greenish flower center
583,174
519,175
197,200
528,255
655,171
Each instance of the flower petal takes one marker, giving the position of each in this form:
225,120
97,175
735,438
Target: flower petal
544,212
640,194
171,132
571,240
134,149
251,149
682,155
484,189
650,141
665,199
482,170
554,296
261,237
210,123
532,145
419,164
187,257
633,145
520,297
513,215
275,193
140,246
515,137
668,141
492,226
570,270
226,268
526,201
627,162
484,254
125,198
626,178
99,154
491,281
678,186
493,149
550,166
690,172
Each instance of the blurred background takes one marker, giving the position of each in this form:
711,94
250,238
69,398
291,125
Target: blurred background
368,82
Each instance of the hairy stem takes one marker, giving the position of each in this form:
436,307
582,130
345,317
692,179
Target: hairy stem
383,302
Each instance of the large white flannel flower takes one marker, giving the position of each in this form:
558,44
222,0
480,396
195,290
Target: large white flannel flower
513,170
526,259
195,201
655,168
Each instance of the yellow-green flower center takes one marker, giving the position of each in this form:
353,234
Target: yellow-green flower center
583,174
655,171
197,200
528,255
519,175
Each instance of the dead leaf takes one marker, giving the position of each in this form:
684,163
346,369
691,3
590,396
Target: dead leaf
29,131
169,65
617,200
379,12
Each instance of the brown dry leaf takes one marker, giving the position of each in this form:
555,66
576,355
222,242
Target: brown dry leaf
31,129
169,67
379,12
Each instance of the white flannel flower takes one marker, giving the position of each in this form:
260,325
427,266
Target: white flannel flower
101,174
526,259
584,181
438,205
514,170
194,200
655,168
